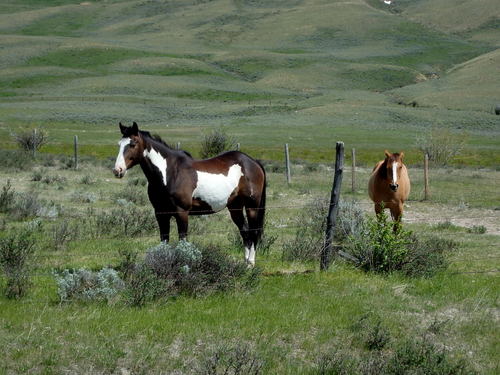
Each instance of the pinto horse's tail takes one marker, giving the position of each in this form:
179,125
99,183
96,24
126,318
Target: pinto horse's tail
261,213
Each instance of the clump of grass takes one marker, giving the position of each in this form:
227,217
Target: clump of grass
447,225
29,205
87,285
477,229
385,247
17,250
216,142
84,197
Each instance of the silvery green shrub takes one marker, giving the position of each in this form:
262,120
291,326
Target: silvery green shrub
86,285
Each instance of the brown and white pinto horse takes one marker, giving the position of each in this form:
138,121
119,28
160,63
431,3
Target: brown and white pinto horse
389,185
179,186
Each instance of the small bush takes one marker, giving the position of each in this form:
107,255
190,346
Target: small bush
17,250
62,233
446,225
31,141
127,220
15,160
334,363
423,357
142,285
28,205
231,360
87,180
441,144
183,268
384,246
7,197
53,179
128,259
216,142
87,285
133,193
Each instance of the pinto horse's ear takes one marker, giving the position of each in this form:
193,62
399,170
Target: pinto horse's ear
122,128
135,129
387,153
401,155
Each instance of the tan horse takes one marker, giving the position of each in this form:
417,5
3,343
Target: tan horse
389,185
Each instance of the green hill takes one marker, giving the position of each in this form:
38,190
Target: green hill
276,67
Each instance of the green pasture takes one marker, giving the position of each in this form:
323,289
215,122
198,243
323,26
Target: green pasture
289,320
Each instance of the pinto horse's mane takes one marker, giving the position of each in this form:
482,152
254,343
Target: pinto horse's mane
157,138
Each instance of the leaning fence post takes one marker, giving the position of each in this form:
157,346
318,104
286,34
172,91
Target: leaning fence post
287,164
178,146
334,206
238,146
426,176
76,151
353,177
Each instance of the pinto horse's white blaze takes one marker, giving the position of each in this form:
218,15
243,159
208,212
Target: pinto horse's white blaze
158,161
395,173
120,165
215,189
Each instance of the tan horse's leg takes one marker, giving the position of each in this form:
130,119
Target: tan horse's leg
397,211
378,208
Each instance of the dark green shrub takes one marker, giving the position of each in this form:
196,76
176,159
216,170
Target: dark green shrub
142,285
62,233
17,250
128,259
216,142
384,246
334,363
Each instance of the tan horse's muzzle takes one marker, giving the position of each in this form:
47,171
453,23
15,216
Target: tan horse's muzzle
394,187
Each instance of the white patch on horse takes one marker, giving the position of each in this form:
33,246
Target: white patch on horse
394,173
251,255
158,161
215,189
120,160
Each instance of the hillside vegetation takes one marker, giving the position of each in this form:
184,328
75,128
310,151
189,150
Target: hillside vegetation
314,69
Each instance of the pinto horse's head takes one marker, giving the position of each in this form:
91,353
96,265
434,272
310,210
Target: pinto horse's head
131,149
394,165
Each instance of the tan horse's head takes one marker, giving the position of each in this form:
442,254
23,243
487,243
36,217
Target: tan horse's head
394,165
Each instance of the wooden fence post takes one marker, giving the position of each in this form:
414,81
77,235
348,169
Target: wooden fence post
353,179
426,176
34,143
76,151
178,146
334,207
238,146
287,164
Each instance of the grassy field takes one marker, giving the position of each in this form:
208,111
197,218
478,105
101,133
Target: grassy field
303,72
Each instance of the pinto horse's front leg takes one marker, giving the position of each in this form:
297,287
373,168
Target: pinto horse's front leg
163,220
182,219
